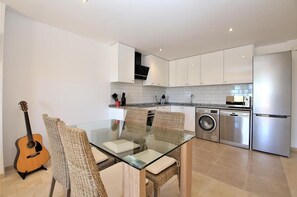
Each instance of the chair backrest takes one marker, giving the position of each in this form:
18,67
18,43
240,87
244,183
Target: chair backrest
84,174
59,164
136,119
169,127
169,121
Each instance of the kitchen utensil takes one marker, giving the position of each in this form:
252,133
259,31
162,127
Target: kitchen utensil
115,96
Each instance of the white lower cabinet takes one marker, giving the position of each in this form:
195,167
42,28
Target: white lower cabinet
164,108
117,113
189,116
120,114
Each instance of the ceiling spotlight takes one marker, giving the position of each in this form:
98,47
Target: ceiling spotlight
243,56
160,49
230,29
84,1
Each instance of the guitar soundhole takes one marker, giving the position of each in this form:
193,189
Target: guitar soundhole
31,144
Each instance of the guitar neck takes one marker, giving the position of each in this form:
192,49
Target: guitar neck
28,127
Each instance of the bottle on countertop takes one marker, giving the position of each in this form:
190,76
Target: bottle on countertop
123,99
163,99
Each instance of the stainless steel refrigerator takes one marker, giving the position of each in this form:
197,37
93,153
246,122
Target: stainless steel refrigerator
272,103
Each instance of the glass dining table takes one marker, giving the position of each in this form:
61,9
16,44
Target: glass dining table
138,147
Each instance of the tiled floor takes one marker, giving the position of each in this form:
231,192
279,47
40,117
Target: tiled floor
218,170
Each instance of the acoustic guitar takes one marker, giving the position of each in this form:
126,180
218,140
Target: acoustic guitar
31,153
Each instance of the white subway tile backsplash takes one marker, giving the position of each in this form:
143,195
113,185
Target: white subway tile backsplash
137,93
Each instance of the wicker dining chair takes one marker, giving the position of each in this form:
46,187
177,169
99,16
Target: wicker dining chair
84,175
171,123
60,172
135,121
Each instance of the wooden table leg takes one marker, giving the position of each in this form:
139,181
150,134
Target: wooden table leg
186,170
133,182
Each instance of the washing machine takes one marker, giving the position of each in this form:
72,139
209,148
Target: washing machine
207,124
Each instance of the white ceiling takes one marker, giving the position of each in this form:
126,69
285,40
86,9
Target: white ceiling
180,27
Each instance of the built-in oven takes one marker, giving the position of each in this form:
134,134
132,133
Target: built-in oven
150,117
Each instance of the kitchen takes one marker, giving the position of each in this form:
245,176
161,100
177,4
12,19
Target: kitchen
236,66
59,50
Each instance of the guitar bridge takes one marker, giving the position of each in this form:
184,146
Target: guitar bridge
32,155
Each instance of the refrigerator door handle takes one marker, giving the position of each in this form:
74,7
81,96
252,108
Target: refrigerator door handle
272,116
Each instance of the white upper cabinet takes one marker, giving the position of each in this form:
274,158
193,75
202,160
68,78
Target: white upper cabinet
194,65
182,72
238,64
212,66
123,63
158,73
172,74
185,72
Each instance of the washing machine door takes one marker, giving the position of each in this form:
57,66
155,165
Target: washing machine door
207,123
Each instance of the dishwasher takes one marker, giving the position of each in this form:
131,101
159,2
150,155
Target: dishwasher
235,128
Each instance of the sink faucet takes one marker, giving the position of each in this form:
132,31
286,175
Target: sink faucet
191,99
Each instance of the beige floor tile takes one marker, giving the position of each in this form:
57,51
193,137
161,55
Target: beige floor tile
290,167
198,142
202,166
205,155
238,163
268,174
294,193
220,189
266,189
213,147
235,152
266,160
227,175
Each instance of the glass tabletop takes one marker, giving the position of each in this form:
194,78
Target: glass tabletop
135,145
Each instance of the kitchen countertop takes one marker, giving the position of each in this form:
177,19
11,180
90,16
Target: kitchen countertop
197,105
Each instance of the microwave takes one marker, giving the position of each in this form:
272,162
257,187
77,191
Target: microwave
238,101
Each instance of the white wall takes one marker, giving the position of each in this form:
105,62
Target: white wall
56,72
2,18
279,47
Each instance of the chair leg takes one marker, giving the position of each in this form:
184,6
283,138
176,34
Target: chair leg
156,192
52,187
68,193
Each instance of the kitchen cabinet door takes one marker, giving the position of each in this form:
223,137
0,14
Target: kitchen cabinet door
182,72
194,64
176,109
164,108
172,74
238,65
123,63
117,113
189,116
158,73
212,68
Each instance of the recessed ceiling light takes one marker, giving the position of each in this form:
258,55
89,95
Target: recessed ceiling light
230,29
243,56
84,1
160,49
